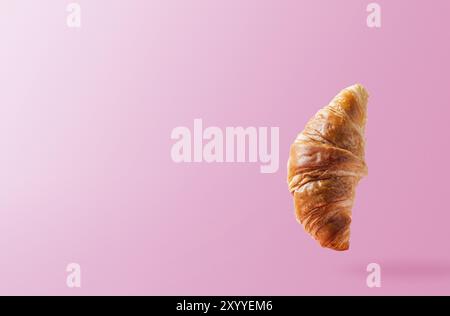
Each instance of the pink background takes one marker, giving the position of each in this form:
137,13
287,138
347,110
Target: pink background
85,168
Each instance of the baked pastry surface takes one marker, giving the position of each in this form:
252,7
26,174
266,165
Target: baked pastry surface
325,165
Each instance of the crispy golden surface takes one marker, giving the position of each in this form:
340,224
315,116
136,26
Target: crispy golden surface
326,163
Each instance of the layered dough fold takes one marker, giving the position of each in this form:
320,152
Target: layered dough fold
325,165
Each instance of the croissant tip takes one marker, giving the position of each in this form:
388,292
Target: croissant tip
342,246
361,92
357,86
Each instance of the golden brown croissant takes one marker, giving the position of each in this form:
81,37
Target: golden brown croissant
326,163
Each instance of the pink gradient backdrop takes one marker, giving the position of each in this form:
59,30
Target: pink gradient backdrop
85,122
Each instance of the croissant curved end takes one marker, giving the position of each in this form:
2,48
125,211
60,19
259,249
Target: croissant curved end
325,165
360,92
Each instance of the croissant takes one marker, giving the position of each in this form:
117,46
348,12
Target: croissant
325,165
